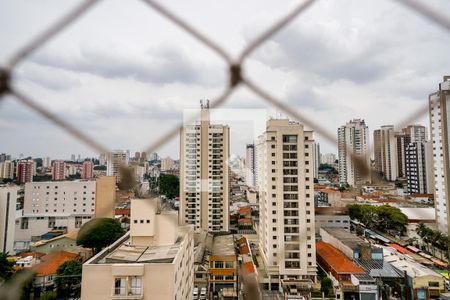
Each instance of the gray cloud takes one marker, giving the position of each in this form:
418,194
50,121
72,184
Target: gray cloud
162,65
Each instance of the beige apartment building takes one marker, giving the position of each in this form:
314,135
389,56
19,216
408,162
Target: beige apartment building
65,205
439,109
204,174
154,260
286,186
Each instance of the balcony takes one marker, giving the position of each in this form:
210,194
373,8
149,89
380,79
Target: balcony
127,293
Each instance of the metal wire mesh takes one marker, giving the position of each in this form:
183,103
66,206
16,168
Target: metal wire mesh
236,75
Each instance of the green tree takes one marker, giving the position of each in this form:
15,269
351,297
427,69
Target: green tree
99,233
6,267
326,285
48,295
169,185
68,276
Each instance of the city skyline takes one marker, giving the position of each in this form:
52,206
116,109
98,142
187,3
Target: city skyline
340,68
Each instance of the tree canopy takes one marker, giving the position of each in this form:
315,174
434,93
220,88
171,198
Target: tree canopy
169,185
68,276
384,218
6,267
99,233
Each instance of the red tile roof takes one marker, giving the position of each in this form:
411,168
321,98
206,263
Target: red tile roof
400,249
245,210
245,221
50,262
336,259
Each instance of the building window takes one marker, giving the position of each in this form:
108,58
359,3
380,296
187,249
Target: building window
119,286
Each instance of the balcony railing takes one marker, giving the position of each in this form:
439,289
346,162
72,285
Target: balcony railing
127,293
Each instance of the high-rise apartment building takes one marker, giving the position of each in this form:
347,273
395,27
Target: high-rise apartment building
286,187
386,152
8,199
25,171
46,162
328,158
316,159
7,168
204,174
250,165
439,109
116,160
58,170
167,164
155,260
354,158
87,170
419,168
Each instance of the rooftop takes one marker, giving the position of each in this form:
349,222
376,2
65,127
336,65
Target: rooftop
336,259
223,245
419,213
350,240
379,268
50,262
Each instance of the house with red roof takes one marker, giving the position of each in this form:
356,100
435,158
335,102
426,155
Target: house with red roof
45,271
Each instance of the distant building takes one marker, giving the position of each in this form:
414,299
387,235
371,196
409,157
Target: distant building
316,161
439,104
8,200
328,158
250,165
87,170
353,146
58,170
385,147
204,174
25,171
7,169
155,260
65,242
46,162
419,168
167,164
116,160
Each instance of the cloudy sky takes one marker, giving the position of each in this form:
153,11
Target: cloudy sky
124,74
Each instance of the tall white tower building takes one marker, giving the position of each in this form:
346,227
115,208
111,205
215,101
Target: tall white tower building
353,140
115,160
250,165
286,188
386,156
204,174
439,107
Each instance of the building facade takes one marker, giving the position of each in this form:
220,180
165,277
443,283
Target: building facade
419,168
115,160
58,170
250,165
354,158
8,200
286,227
25,171
204,174
316,159
155,260
87,170
7,169
386,152
439,109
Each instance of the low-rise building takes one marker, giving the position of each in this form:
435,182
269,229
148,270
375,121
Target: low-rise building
223,267
349,280
65,242
45,271
422,282
334,217
155,260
